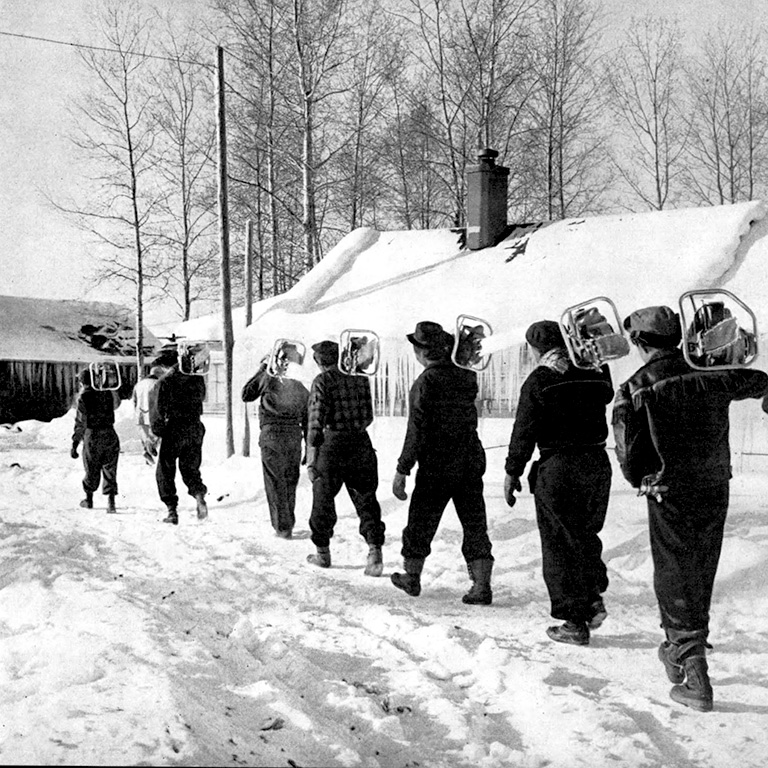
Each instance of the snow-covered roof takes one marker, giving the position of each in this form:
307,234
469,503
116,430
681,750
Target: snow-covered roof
388,281
65,331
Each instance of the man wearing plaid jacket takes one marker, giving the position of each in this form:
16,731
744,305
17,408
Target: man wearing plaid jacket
339,452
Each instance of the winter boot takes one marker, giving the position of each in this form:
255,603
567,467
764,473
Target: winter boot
111,504
480,573
322,559
287,533
87,502
599,614
669,655
202,507
696,692
410,581
573,633
375,563
680,644
173,516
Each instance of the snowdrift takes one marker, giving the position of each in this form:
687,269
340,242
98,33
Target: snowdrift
388,281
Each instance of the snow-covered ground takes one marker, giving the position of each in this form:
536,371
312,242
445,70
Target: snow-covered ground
126,641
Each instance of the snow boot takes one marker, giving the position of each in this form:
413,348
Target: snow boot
322,559
173,516
410,581
202,507
284,534
572,632
111,504
599,614
696,691
374,565
671,655
480,573
87,502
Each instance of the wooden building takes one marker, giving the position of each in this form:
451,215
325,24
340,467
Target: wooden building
44,344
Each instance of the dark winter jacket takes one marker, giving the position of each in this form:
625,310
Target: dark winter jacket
95,410
559,411
179,401
442,419
283,401
673,420
339,403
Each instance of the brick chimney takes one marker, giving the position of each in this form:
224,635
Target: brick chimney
486,200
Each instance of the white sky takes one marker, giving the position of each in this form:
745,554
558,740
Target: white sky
41,254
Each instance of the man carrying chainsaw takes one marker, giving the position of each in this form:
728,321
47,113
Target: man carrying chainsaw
671,427
562,411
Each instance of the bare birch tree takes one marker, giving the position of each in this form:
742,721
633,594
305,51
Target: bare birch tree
646,96
727,154
116,135
567,108
185,163
322,49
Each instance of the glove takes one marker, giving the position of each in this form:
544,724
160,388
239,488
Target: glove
511,484
73,453
398,486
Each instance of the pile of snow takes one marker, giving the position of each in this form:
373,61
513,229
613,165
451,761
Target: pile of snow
127,641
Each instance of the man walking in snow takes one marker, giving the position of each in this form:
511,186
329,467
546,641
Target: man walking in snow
94,428
282,424
145,400
177,422
339,452
671,426
562,410
442,438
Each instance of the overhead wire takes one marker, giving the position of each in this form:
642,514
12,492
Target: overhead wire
104,49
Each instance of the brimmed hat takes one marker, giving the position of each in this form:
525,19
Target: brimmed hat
544,335
429,335
654,326
326,352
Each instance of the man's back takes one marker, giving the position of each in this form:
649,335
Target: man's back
180,398
685,432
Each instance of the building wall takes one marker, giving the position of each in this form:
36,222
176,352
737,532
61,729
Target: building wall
33,389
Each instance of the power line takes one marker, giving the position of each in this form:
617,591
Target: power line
100,48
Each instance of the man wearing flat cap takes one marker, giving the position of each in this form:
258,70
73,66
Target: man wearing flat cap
339,452
562,411
671,427
442,439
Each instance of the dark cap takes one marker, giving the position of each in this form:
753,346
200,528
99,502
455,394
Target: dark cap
654,326
326,352
544,335
429,335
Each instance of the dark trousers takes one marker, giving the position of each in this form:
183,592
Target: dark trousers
571,494
346,458
101,450
686,529
431,493
281,461
182,443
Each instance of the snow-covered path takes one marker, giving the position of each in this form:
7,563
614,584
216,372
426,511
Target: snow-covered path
125,641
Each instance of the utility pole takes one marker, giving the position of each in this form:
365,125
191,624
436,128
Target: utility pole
248,321
226,288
